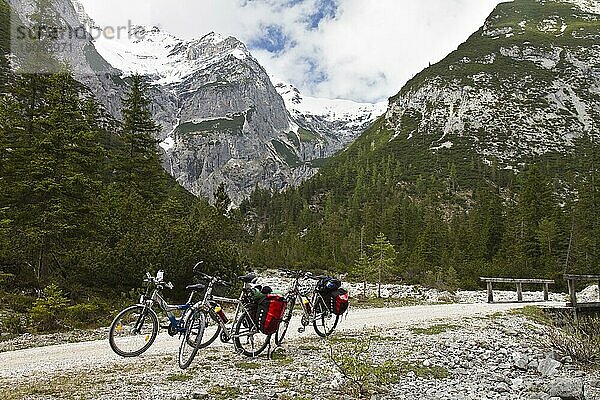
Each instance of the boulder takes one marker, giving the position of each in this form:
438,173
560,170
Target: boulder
566,389
548,367
520,361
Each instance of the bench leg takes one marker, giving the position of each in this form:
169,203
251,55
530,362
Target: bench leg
545,292
490,292
519,292
572,293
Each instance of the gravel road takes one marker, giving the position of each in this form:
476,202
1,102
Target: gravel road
97,354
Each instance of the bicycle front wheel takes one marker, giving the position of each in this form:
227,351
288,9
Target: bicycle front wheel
285,323
192,338
133,331
212,328
325,321
248,340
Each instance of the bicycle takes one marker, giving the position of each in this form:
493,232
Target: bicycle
135,328
244,331
315,310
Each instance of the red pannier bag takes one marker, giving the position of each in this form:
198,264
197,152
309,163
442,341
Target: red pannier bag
339,301
269,313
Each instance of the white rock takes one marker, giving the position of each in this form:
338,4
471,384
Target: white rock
548,367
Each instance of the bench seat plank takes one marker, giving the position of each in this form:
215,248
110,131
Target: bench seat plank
516,280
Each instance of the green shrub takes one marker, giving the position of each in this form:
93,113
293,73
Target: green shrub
12,323
17,302
84,315
49,312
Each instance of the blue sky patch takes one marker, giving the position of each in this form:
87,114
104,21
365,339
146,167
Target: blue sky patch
314,72
273,40
326,9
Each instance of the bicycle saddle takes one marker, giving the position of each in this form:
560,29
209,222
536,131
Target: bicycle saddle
197,286
248,278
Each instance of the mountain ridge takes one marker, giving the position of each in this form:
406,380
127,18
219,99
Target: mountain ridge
485,164
205,135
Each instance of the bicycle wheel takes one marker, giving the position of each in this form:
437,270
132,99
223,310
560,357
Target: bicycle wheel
212,328
192,338
133,331
248,340
325,321
285,323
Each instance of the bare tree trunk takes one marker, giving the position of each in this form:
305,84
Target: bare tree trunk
570,244
379,286
40,267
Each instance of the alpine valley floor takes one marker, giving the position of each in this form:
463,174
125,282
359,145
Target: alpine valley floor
451,351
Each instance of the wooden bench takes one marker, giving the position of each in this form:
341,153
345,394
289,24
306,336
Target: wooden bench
519,283
571,280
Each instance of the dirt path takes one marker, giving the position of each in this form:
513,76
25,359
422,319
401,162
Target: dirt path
92,355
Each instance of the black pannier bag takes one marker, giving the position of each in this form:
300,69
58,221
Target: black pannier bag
328,284
337,301
269,313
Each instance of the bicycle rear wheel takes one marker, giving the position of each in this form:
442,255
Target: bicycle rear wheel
285,323
325,321
248,340
192,338
133,331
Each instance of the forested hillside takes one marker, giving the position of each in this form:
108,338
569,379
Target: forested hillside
84,201
485,164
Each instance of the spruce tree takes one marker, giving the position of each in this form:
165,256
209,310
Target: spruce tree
5,28
139,162
222,200
383,258
51,170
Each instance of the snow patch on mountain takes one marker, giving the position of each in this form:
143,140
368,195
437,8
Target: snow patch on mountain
330,109
165,57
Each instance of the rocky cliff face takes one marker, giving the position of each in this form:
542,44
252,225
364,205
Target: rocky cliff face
222,118
81,55
527,83
336,122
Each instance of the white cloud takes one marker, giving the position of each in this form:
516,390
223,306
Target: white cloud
367,52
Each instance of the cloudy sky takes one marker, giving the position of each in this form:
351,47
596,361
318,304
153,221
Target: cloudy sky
362,50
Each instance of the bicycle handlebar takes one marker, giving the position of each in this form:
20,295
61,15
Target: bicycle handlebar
214,279
158,280
295,273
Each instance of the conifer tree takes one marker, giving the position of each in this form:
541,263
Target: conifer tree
139,161
383,258
222,200
4,44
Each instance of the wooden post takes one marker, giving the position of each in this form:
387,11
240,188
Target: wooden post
545,292
572,292
490,292
519,292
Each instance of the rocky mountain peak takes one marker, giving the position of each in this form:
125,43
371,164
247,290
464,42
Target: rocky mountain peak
83,16
525,85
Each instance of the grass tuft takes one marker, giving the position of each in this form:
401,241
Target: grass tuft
434,329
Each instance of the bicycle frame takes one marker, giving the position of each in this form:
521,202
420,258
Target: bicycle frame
210,301
156,298
294,295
